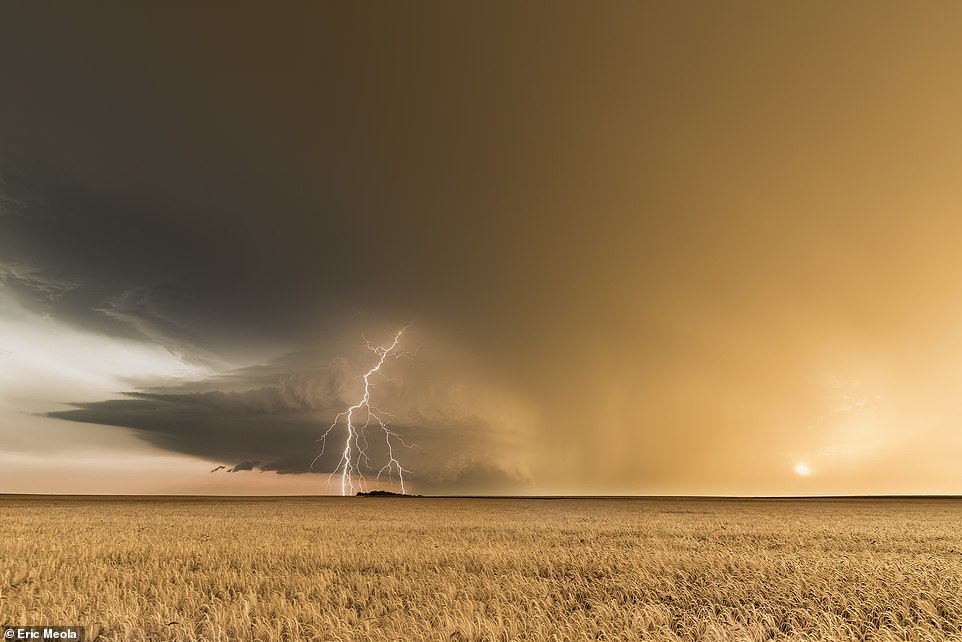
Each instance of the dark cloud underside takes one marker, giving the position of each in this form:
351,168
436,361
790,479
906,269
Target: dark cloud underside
272,418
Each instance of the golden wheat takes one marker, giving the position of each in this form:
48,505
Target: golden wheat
478,569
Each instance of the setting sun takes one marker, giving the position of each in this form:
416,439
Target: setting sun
802,469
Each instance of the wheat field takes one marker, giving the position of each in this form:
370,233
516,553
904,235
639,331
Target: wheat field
483,569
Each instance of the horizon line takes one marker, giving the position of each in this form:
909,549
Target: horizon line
6,495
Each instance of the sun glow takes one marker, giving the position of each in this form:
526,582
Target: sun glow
802,469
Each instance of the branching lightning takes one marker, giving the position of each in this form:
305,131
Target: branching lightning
354,456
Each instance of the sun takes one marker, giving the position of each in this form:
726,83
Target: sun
802,469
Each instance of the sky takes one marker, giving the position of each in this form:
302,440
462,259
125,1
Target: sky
642,248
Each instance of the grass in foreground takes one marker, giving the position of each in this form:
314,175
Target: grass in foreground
448,569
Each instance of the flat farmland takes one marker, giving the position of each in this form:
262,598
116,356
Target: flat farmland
483,569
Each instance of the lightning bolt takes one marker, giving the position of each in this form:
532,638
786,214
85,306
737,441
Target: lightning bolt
355,442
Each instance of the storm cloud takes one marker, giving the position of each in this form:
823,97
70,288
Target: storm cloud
637,243
271,417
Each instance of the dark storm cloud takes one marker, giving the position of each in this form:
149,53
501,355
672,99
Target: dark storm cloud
657,225
267,188
34,283
243,466
276,423
208,426
270,418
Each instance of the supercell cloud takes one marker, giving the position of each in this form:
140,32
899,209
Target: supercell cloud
628,255
269,418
